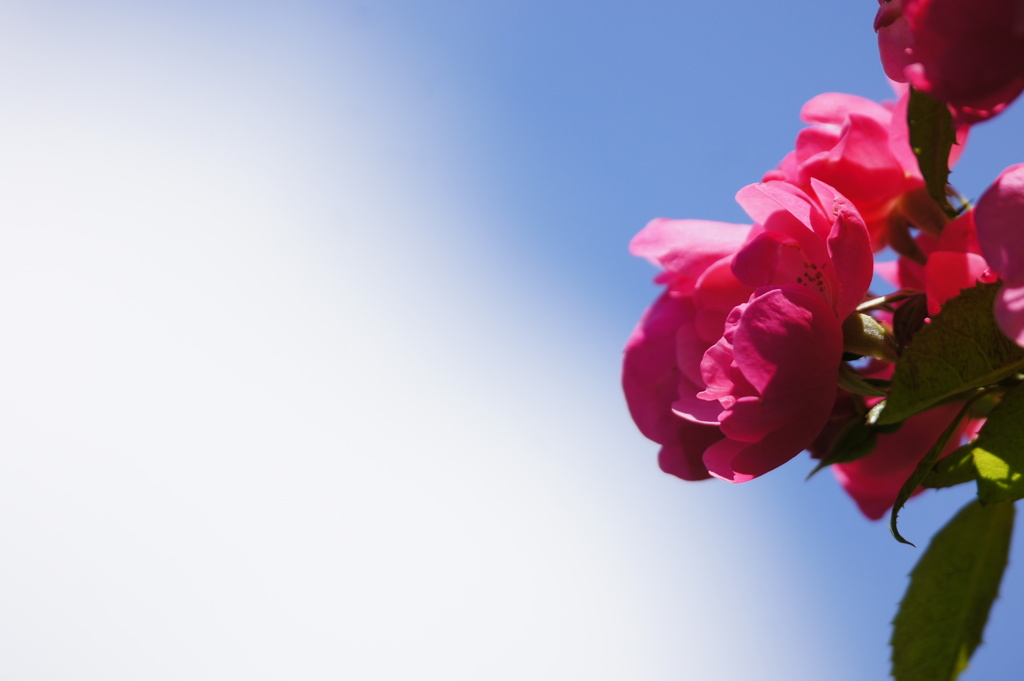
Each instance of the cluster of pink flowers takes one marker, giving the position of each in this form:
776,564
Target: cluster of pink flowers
735,368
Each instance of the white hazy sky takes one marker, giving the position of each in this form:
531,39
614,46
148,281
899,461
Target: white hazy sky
274,405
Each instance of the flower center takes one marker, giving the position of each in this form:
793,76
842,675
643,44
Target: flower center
812,277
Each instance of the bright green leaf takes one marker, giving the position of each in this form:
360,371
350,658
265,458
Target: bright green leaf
955,469
931,137
924,467
999,451
960,350
943,613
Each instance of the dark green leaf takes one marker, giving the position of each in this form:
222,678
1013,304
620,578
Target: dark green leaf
960,350
856,441
924,467
999,451
943,613
955,469
931,137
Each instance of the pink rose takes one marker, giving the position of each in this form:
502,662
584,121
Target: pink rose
862,149
970,55
734,369
999,218
774,371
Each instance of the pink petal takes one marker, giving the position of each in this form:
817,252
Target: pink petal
780,206
650,377
999,217
860,162
774,259
788,346
816,142
947,273
786,339
687,247
650,383
735,461
834,107
719,289
683,457
960,235
1009,311
849,246
895,40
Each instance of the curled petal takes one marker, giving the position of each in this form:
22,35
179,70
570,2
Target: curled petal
849,246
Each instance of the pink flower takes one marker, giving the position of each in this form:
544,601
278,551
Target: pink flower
663,354
999,218
774,371
862,149
970,55
734,369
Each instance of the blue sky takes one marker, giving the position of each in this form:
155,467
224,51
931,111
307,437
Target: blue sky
314,315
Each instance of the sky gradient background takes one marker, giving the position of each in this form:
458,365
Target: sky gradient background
313,318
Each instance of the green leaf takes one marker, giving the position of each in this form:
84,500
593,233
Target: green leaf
865,336
999,453
960,350
924,467
943,613
853,382
932,135
955,469
856,441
